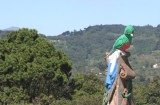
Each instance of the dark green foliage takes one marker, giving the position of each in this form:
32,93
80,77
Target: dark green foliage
32,71
148,94
87,84
85,89
87,48
88,90
30,66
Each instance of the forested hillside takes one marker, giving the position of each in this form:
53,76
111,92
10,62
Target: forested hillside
86,48
34,71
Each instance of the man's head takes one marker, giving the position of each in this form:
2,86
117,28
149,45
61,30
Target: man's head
129,30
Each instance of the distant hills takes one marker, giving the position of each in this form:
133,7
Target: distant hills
86,48
11,28
3,32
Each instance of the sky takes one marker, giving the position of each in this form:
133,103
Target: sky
53,17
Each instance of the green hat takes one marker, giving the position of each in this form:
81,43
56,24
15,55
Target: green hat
129,30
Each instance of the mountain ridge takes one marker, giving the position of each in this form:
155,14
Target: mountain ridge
12,28
86,48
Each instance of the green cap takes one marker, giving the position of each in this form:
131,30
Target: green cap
129,30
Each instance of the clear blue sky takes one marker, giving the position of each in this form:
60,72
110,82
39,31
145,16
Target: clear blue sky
52,17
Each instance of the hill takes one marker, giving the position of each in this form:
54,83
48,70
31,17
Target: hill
11,29
33,71
86,48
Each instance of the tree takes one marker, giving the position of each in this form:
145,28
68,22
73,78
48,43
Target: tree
148,94
31,66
